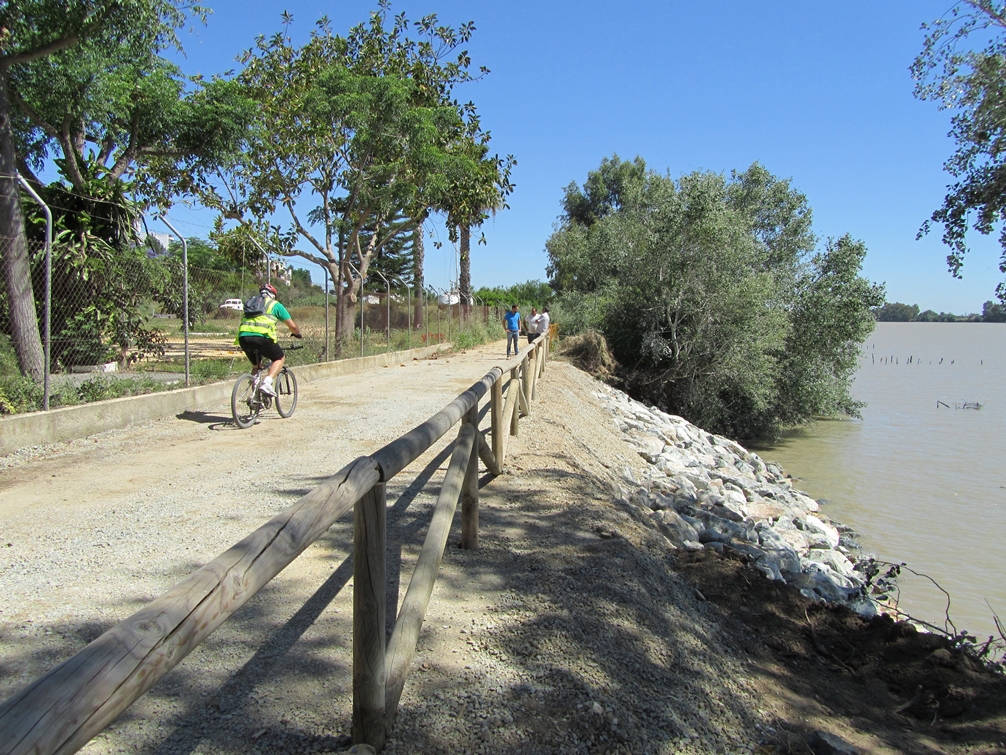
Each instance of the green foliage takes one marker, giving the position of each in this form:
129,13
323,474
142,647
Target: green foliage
962,67
101,279
18,393
896,312
993,312
372,133
708,290
932,316
476,332
206,370
530,293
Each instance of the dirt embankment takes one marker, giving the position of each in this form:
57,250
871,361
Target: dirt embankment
576,627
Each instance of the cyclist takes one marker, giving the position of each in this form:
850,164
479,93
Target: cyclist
257,335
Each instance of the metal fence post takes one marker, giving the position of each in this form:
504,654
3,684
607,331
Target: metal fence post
387,288
185,293
47,333
326,316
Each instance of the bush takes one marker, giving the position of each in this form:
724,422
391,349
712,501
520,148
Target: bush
477,332
19,394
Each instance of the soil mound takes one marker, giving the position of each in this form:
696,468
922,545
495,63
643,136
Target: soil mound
879,684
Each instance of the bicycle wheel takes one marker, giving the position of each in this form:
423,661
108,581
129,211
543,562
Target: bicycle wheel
244,403
286,393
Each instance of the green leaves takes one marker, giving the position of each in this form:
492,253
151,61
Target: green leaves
706,290
962,66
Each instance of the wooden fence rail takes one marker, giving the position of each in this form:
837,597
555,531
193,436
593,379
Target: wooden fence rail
61,711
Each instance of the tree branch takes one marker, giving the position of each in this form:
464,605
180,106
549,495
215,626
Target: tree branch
129,153
29,175
306,233
72,166
36,119
40,52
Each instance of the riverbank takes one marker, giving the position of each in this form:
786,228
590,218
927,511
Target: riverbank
921,484
579,626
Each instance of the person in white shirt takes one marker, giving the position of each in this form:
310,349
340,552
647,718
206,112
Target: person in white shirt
537,324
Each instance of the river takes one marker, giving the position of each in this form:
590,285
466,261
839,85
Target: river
921,482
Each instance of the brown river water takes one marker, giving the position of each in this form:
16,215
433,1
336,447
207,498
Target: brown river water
921,482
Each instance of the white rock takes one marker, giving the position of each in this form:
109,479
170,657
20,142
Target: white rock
804,501
816,525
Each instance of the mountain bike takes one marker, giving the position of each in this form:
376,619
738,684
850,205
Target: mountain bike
247,398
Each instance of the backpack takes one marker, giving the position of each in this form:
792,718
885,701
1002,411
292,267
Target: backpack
255,306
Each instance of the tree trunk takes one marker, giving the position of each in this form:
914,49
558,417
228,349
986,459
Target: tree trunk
418,251
16,267
465,282
346,304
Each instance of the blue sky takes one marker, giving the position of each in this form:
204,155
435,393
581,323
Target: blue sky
816,92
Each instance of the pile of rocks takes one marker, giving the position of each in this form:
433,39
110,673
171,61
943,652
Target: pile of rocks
707,491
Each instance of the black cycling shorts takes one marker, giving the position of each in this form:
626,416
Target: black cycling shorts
256,347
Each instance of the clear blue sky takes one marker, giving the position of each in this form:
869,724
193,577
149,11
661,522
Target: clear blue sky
816,92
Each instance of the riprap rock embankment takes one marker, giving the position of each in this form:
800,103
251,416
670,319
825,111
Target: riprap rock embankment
707,491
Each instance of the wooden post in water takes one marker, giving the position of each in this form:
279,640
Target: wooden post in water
369,568
470,490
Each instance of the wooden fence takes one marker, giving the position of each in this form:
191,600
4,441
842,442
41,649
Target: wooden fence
61,711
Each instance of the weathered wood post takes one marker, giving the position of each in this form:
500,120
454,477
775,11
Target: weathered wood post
535,371
514,390
525,382
369,567
496,413
470,491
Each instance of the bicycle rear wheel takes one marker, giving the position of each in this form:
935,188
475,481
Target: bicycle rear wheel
286,393
244,402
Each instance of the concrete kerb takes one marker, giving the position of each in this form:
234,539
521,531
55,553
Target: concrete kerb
39,428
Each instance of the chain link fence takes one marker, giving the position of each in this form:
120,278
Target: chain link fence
118,313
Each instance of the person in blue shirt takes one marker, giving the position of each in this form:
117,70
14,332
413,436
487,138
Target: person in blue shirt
511,323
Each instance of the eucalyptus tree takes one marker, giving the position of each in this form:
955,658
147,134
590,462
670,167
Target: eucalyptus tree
962,67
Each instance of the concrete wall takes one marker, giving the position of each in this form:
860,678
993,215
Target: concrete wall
38,428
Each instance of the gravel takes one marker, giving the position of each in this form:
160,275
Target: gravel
568,631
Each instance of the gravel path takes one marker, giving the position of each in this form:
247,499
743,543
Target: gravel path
566,632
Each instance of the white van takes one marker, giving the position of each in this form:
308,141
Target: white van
233,304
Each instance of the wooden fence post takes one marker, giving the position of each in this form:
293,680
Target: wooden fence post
525,382
470,491
402,647
514,390
496,410
369,569
535,372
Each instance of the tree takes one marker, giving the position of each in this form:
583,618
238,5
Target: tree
84,80
992,312
370,131
962,67
32,32
710,294
896,312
